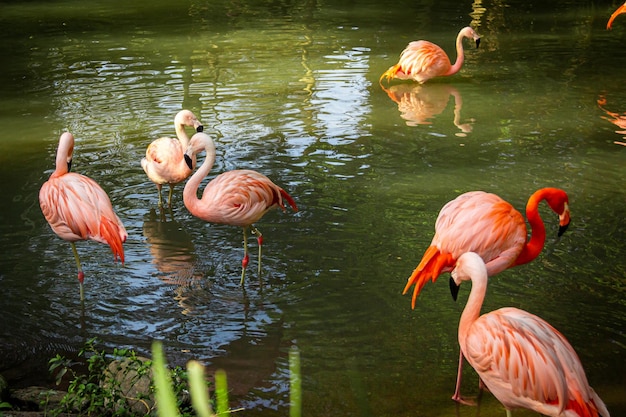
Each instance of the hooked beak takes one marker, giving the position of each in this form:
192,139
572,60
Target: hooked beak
200,128
454,289
188,161
69,165
477,43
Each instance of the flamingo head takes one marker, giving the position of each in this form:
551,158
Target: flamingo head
198,142
558,201
469,265
187,118
469,33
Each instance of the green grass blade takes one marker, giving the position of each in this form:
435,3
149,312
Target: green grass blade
295,383
165,398
198,388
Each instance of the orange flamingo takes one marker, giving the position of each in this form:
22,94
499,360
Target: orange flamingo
238,198
77,208
618,11
486,224
519,357
423,60
164,162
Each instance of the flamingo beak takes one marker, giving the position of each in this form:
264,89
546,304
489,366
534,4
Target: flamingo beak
69,165
564,220
200,128
454,289
477,43
188,161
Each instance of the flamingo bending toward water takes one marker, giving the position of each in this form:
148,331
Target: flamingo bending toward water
423,60
237,198
486,224
521,358
77,208
164,162
618,11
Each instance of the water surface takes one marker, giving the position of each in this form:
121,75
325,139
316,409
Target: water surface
291,89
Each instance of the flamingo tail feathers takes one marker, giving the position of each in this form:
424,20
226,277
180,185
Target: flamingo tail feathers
289,199
109,230
432,264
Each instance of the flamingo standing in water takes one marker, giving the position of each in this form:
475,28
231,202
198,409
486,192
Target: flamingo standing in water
486,224
521,358
238,198
621,9
77,208
164,162
423,60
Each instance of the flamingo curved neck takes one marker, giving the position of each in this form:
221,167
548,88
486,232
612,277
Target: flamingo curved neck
182,136
471,312
460,56
190,192
533,247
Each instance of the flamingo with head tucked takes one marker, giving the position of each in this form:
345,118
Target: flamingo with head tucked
422,60
238,198
488,225
77,208
521,358
164,162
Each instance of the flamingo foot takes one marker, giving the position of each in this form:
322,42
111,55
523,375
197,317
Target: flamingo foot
463,400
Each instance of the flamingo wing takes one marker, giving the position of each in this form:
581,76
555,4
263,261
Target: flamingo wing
483,223
242,197
164,163
422,60
473,222
525,362
77,208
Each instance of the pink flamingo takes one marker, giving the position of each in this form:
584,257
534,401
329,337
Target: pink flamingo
164,162
486,224
237,198
77,208
618,11
423,60
521,358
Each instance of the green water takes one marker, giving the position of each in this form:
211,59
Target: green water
291,89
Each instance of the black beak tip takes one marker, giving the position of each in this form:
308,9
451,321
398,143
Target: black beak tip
200,129
563,229
454,289
477,42
188,161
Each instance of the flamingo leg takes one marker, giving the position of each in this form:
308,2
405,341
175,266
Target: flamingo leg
457,391
259,238
159,192
246,258
169,200
81,275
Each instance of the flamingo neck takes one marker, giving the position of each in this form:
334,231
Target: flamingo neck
460,56
471,312
182,136
190,192
533,247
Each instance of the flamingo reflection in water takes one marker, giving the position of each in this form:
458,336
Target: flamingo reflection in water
173,255
617,119
419,104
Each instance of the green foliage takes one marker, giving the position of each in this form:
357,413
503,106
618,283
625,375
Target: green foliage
98,393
